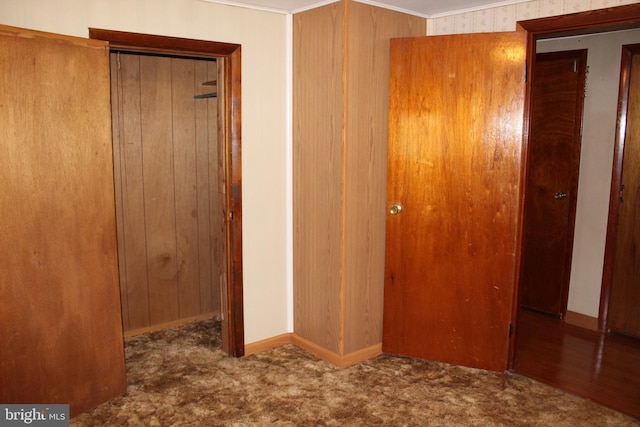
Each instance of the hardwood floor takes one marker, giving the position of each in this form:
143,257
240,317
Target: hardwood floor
602,367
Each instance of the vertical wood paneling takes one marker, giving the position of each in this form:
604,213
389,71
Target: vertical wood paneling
183,88
159,185
130,207
168,188
341,75
217,183
370,31
318,84
117,155
204,196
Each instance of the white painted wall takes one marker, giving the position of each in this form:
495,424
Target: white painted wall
596,160
263,36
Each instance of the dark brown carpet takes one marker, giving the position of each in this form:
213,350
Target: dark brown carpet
181,377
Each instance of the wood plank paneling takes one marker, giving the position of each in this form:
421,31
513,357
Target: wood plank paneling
167,188
203,190
132,247
159,187
186,179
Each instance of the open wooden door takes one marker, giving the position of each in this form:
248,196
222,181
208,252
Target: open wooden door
624,233
60,324
455,144
551,188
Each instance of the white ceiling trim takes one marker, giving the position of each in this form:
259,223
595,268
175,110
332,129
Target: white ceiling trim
313,6
477,8
249,6
397,9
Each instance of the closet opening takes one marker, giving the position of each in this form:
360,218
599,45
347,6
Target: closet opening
177,181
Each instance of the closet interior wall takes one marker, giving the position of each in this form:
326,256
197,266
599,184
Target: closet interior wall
169,188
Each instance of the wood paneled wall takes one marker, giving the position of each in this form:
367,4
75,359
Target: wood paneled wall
341,78
169,188
318,158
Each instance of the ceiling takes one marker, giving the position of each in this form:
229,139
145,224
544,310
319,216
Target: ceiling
426,8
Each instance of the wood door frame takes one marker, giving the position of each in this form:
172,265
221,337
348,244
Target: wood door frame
232,305
594,21
628,51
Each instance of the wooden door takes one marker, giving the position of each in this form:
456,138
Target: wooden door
624,304
60,325
557,99
455,138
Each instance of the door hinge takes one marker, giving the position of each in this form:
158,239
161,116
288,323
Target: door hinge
526,74
511,329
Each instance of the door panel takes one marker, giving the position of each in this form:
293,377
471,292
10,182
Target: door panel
61,328
624,305
557,99
455,137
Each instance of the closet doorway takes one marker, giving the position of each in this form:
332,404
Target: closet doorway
176,133
169,188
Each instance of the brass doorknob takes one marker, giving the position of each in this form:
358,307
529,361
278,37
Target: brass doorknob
395,209
560,195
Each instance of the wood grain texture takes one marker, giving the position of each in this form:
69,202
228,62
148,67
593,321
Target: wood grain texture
132,247
624,312
183,89
60,311
158,171
166,194
370,29
553,162
209,179
455,140
318,161
234,315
